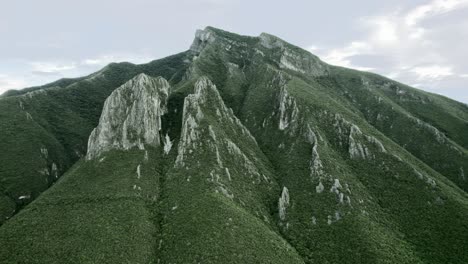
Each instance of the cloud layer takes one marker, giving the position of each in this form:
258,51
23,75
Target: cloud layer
422,46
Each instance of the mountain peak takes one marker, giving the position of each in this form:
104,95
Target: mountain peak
271,41
202,38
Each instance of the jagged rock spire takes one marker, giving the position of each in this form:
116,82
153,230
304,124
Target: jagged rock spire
131,116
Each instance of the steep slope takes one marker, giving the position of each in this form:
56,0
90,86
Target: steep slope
46,129
106,204
254,151
119,200
253,73
224,186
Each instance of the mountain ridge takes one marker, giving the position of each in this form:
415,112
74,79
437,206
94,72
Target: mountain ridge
271,154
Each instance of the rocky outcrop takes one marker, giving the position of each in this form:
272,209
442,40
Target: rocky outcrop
316,166
288,109
206,98
359,144
192,115
283,203
202,38
131,116
293,58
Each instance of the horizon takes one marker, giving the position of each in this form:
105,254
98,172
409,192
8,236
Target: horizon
419,44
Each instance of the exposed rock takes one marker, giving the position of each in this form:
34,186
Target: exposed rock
206,96
270,41
212,133
440,137
430,181
218,157
341,197
167,144
202,38
316,166
336,186
138,171
292,58
28,116
419,174
288,109
356,149
329,220
319,188
314,220
228,174
44,171
247,163
225,192
54,170
24,197
358,142
192,114
337,216
131,116
283,203
45,152
288,61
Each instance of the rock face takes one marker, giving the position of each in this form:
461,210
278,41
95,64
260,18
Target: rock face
283,203
289,58
202,37
205,98
131,116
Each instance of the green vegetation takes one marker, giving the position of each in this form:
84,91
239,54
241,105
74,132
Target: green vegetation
58,119
94,214
286,160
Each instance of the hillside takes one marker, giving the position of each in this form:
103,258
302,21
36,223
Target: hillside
239,150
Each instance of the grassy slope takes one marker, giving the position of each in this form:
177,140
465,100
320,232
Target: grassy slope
92,215
392,108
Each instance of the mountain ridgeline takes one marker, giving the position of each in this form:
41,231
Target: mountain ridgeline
239,150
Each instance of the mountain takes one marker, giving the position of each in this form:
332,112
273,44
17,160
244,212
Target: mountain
239,150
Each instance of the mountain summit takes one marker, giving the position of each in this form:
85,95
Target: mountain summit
238,150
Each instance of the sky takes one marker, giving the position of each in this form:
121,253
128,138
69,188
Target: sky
422,43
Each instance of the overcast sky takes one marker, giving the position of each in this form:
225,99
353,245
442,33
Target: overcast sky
423,43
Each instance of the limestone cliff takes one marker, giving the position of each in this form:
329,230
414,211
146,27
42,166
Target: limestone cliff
131,116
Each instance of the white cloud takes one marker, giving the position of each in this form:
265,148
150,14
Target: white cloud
432,72
106,59
92,62
384,30
8,83
51,67
397,44
40,72
435,7
312,48
341,56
